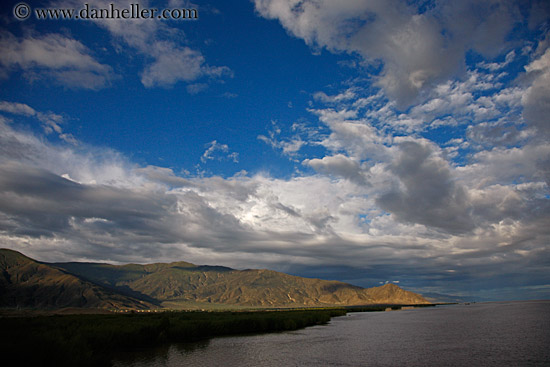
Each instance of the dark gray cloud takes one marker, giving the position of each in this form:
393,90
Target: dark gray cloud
429,195
44,204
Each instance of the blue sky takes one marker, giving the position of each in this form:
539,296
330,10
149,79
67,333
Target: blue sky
363,141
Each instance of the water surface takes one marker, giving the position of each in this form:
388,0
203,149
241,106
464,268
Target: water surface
482,334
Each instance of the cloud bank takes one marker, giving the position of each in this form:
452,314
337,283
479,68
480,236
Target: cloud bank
430,169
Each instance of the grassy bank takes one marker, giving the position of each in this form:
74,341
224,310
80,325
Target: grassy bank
90,340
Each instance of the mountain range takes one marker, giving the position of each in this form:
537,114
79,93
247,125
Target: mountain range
27,283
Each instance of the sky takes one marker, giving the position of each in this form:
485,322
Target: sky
365,141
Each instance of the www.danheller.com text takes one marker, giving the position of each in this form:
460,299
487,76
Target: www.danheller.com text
133,11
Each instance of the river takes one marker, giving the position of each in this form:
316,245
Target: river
480,334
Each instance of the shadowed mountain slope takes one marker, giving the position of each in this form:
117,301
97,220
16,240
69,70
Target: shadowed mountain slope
26,283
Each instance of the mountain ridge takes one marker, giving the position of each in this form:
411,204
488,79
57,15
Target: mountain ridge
25,282
182,285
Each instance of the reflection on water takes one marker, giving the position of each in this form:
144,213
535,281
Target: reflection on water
167,355
484,334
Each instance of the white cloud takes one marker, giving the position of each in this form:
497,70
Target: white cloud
55,57
536,100
291,146
217,151
341,166
17,108
479,101
356,136
170,60
173,64
346,95
51,122
497,165
417,48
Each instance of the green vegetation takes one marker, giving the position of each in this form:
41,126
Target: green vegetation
90,340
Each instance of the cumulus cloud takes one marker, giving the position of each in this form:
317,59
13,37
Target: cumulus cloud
77,205
352,134
169,60
87,203
426,192
452,187
491,112
417,46
495,134
530,163
173,64
536,100
55,57
339,165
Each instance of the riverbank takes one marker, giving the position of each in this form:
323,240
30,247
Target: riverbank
90,340
492,334
71,337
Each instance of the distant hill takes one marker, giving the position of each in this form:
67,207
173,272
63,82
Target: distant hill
26,283
185,285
